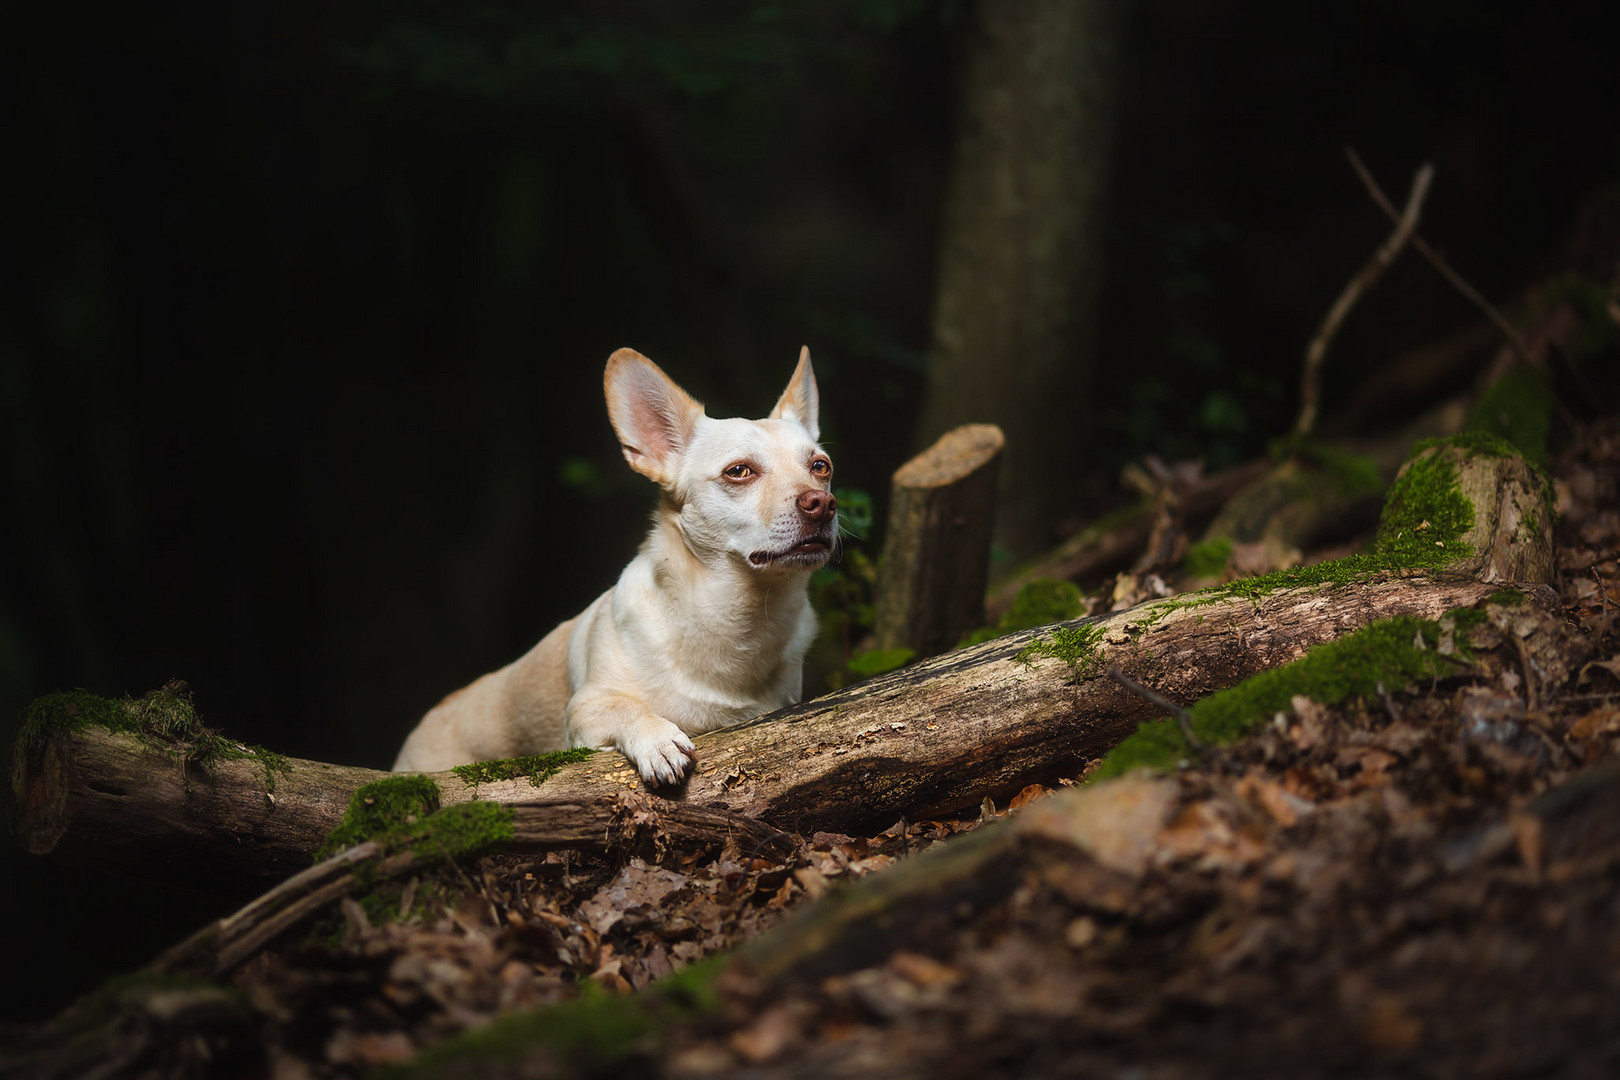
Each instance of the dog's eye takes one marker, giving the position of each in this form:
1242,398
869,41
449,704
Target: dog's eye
821,467
738,472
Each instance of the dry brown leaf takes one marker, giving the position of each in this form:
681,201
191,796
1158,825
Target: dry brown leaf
920,970
766,1038
1029,795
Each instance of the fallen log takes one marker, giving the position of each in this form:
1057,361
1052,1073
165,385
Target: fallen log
924,741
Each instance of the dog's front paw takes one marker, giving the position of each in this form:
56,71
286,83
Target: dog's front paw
660,751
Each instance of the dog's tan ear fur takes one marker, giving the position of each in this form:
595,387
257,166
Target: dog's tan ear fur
652,417
800,401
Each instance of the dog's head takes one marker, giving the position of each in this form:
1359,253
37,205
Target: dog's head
759,490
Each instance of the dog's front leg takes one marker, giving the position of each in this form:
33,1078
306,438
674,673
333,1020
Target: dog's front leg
658,749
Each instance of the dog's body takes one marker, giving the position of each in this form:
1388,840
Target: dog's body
707,626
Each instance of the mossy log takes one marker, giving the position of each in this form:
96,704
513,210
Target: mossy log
140,804
936,558
927,740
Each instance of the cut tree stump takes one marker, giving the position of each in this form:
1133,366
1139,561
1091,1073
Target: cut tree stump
928,740
936,558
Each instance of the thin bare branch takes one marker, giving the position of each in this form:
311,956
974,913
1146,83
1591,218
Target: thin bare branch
1310,391
1438,261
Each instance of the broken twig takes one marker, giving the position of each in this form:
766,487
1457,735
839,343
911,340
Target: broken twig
1183,716
1438,261
1310,390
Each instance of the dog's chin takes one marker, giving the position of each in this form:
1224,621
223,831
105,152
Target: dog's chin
808,554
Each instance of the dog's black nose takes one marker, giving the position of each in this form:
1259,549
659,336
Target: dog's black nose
817,505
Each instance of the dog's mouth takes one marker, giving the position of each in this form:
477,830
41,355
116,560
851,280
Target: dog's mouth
811,551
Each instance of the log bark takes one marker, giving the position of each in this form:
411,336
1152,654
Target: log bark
927,740
122,803
936,558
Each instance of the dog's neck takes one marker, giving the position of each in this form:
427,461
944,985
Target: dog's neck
734,609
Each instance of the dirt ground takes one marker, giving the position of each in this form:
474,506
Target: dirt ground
1425,884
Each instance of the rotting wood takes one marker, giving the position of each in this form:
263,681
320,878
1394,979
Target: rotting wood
936,557
925,741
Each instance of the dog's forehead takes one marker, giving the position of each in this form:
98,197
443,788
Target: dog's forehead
733,438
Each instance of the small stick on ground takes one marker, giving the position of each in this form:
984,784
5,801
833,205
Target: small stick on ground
1183,717
1438,261
1310,390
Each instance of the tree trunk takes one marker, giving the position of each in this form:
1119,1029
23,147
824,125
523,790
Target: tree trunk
927,740
1020,248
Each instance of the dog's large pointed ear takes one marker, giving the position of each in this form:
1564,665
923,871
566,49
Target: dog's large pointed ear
652,417
800,401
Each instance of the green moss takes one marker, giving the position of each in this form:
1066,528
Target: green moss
1076,646
1349,475
537,767
165,718
379,807
1595,346
1506,598
166,714
463,831
1207,558
596,1031
1395,653
1425,515
872,662
1039,603
1424,520
1483,443
1518,408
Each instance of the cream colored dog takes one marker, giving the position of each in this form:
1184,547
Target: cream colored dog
709,623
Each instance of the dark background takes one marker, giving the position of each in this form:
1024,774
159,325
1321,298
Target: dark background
306,307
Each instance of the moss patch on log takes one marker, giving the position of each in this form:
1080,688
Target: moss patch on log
1348,474
1076,646
401,813
1391,654
1424,520
1517,408
537,767
165,718
1040,603
379,807
1425,514
1207,558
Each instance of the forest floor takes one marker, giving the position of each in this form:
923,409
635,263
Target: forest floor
1427,884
